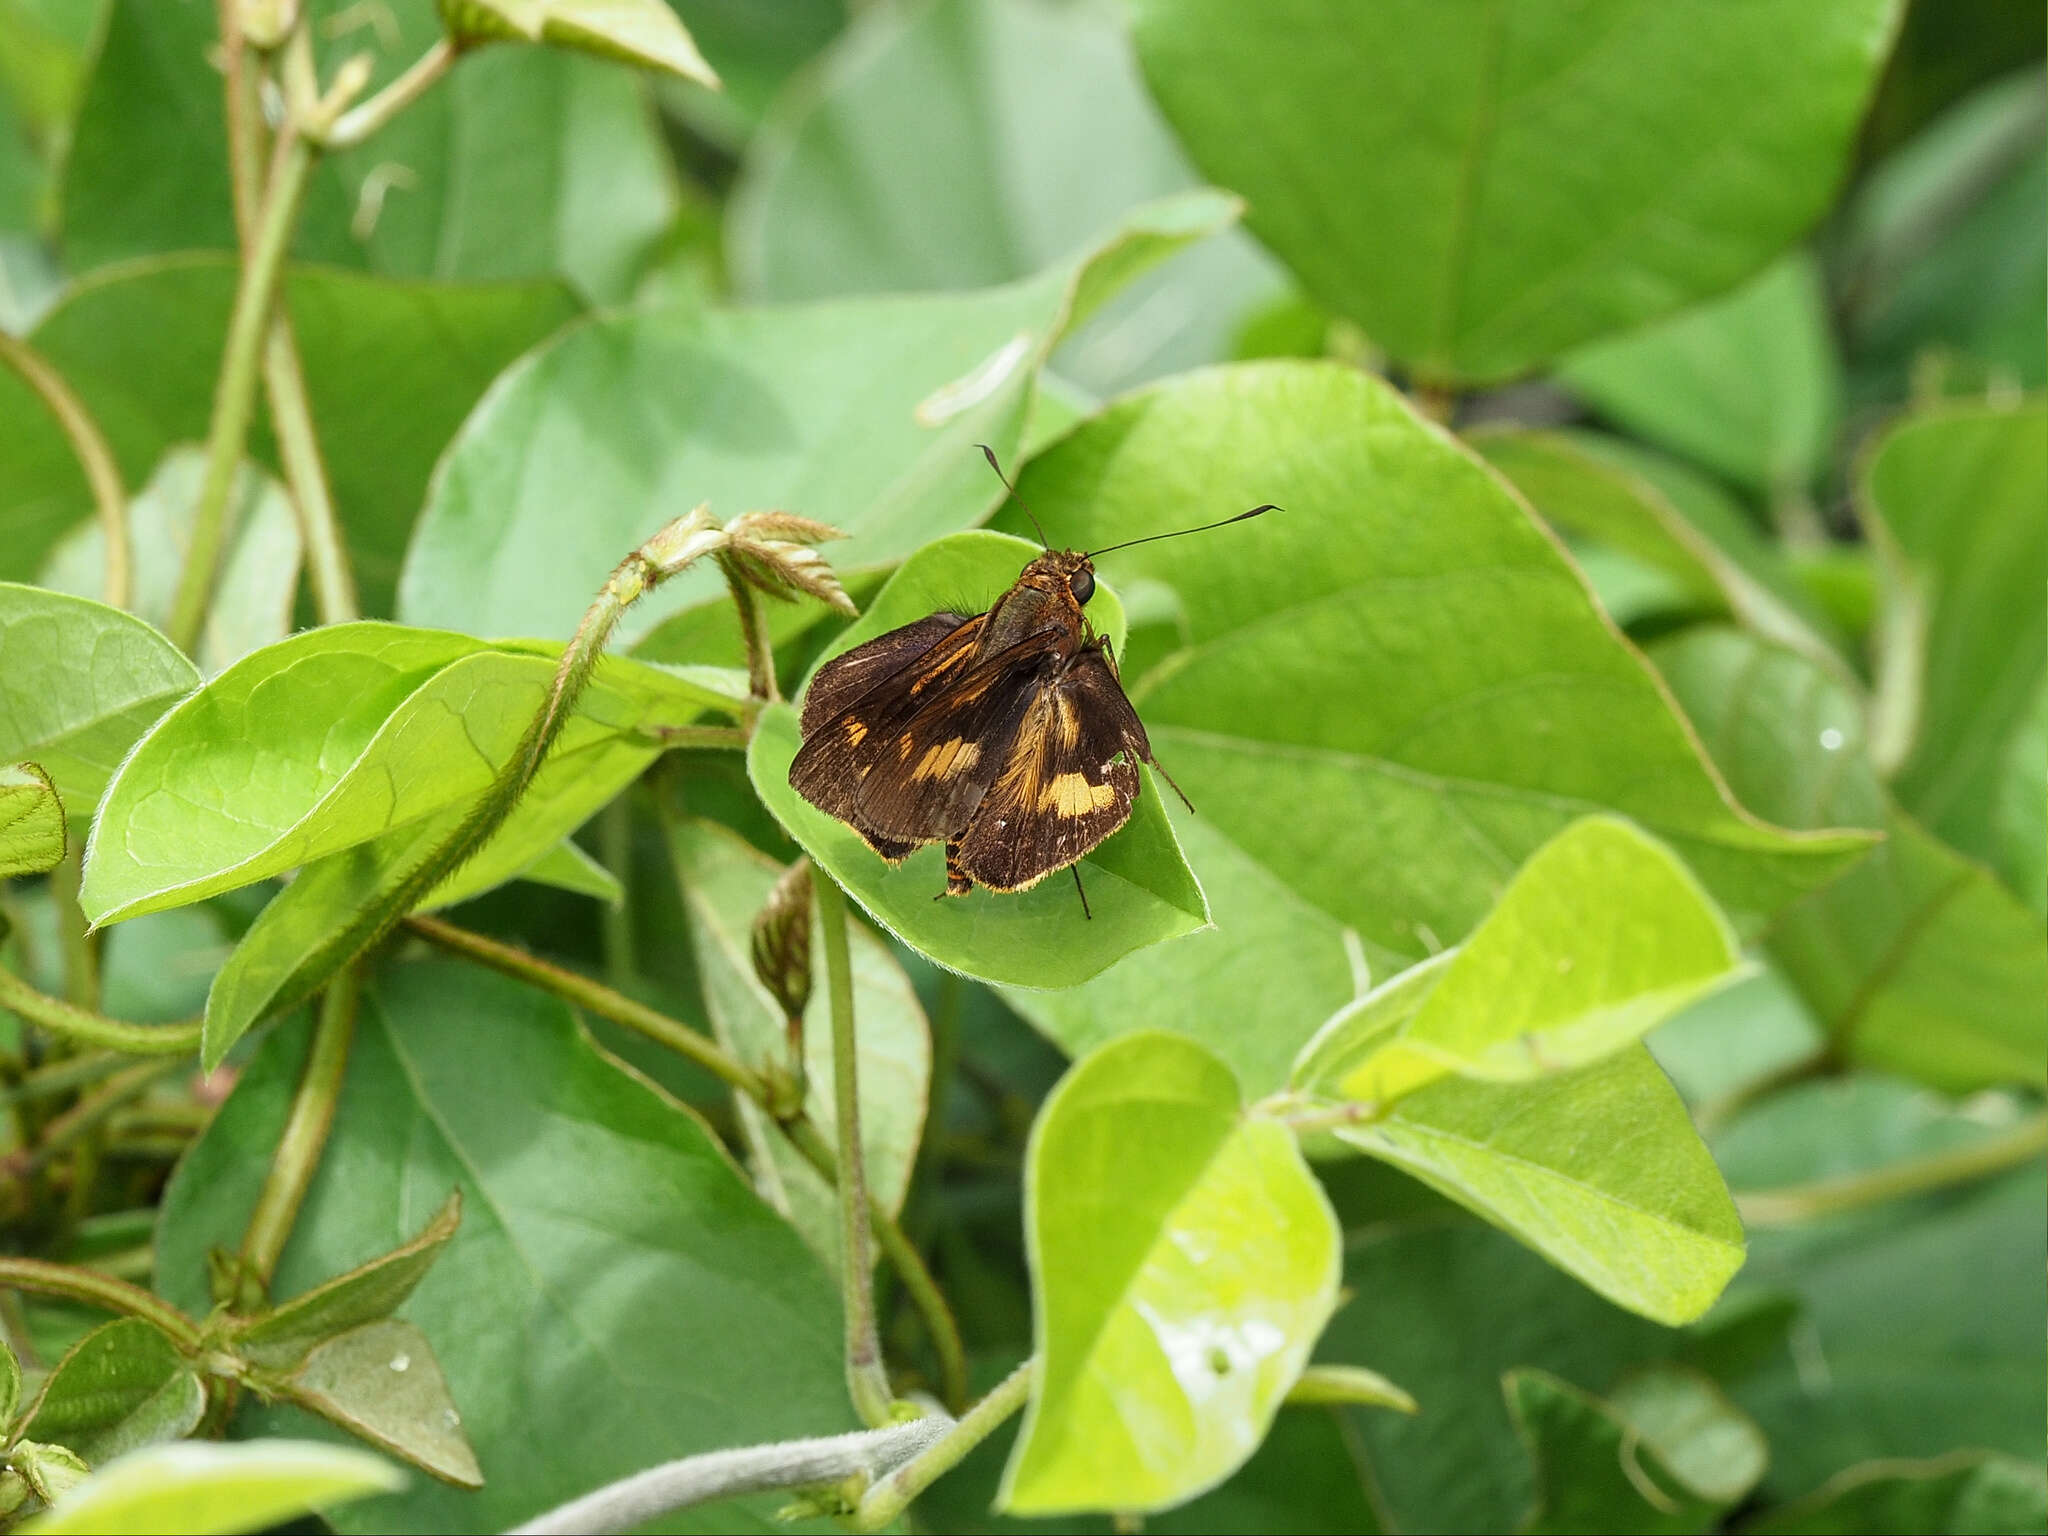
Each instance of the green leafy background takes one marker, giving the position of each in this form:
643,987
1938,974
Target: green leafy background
1617,765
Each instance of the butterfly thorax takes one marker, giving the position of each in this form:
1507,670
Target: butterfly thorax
1048,595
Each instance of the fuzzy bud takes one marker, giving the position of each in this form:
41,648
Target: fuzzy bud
782,940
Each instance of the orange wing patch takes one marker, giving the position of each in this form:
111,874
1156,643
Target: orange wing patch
947,759
1070,794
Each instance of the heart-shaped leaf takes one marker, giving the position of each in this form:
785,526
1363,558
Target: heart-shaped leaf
1140,889
1482,187
1183,1263
79,682
1600,937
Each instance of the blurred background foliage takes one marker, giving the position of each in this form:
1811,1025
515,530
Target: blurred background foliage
501,302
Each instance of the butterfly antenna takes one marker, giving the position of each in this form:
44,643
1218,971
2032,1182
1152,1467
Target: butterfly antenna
990,454
1152,537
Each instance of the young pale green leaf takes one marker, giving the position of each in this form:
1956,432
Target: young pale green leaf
1362,1027
1333,1384
381,1381
1385,697
197,1489
1918,960
1749,385
1486,210
1035,121
861,413
1956,497
1183,1262
635,31
1140,889
1600,937
1597,1470
1965,1491
259,575
339,735
1701,547
1599,1170
506,164
369,1293
616,1295
32,831
391,370
565,866
122,1386
79,681
725,882
50,1471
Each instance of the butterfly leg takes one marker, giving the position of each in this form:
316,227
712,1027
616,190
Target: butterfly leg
1156,768
1078,886
958,883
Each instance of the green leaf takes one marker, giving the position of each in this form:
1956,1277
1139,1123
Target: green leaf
1749,385
32,833
1938,247
382,1382
1386,697
862,413
616,1295
524,163
725,882
1968,1491
1484,188
51,1471
336,736
79,682
1600,937
10,1384
122,1386
259,575
566,867
196,1489
1653,512
1348,1384
1917,960
1183,1263
391,370
635,31
1956,495
1712,1447
1140,889
1036,126
1599,1170
1882,1368
1598,1467
369,1293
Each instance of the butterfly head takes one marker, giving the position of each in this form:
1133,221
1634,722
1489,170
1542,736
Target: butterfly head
1060,571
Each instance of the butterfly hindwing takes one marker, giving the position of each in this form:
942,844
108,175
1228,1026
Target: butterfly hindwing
1068,783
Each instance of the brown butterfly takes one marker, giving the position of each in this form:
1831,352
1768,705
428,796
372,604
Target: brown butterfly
1004,735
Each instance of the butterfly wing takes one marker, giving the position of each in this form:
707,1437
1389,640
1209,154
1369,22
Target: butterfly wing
1069,781
846,679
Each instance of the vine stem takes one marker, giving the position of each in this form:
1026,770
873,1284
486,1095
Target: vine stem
85,1027
358,123
234,397
607,1003
95,457
89,1113
2018,1143
754,628
887,1499
866,1379
97,1289
305,1132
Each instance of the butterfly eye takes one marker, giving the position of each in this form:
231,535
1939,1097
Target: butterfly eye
1082,585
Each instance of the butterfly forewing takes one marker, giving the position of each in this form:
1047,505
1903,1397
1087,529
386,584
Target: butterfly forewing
1069,781
845,680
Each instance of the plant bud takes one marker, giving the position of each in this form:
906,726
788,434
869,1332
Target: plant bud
267,23
782,940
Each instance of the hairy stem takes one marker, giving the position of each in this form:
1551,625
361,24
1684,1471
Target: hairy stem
2018,1143
892,1495
91,1112
305,1133
82,1026
595,997
305,474
234,397
95,1289
358,123
646,1496
866,1378
75,940
95,457
754,630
